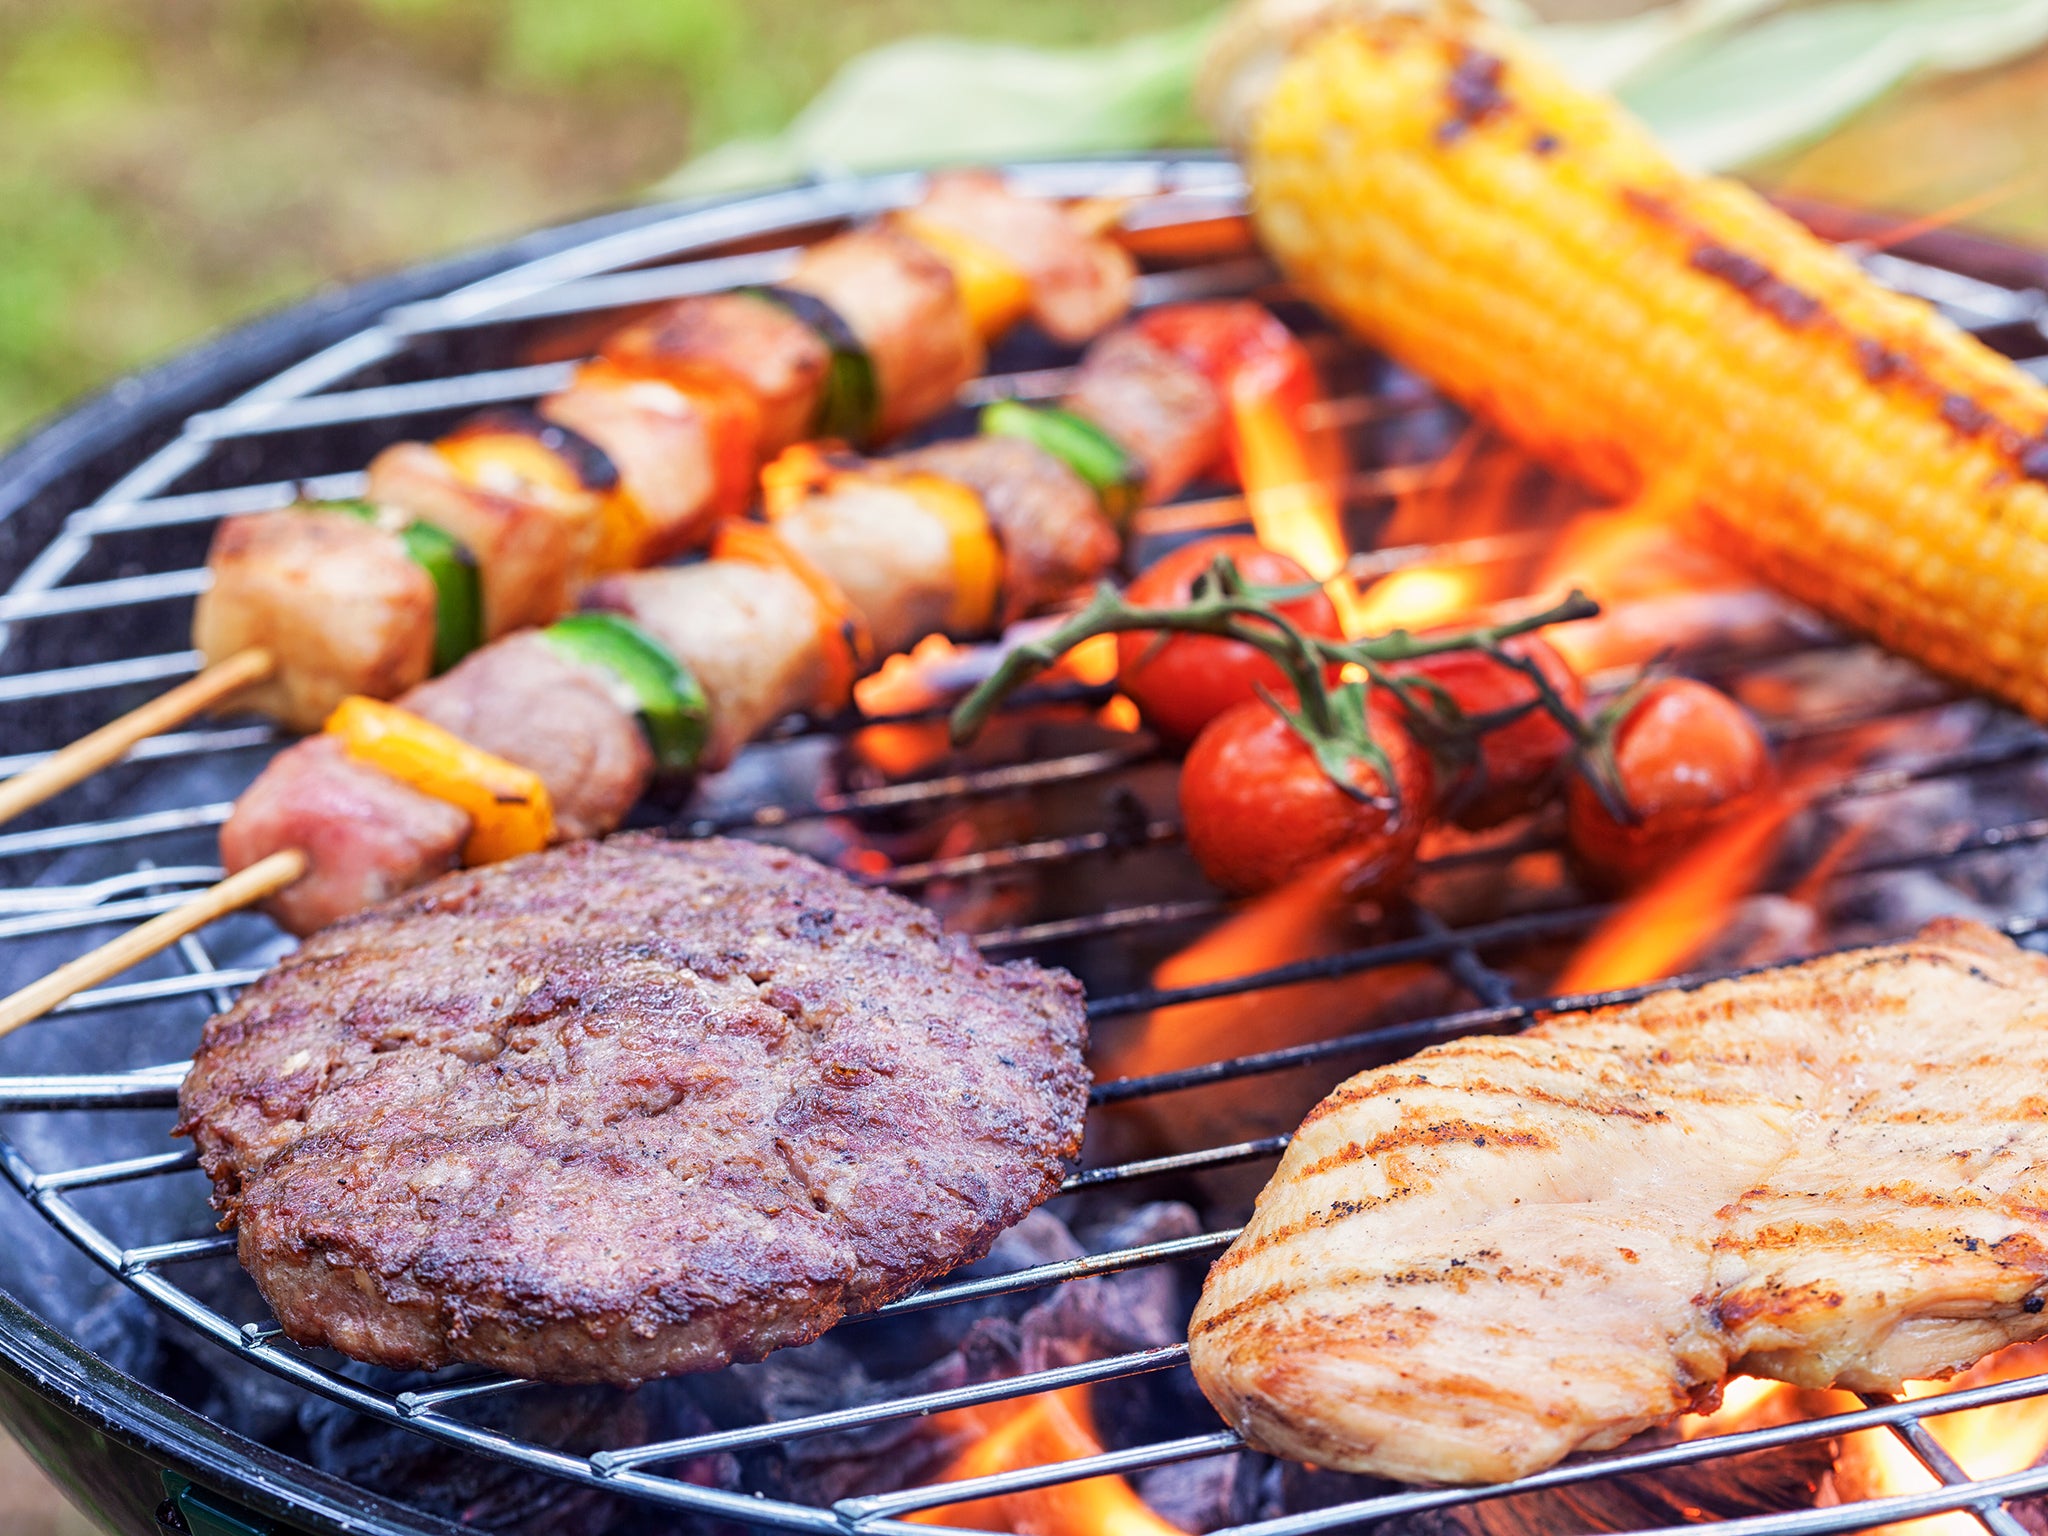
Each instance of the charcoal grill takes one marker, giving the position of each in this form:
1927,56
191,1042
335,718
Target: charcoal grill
103,522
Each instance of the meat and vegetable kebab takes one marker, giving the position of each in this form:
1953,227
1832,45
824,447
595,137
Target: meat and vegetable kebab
554,733
501,523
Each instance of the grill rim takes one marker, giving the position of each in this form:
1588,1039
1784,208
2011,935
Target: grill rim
124,416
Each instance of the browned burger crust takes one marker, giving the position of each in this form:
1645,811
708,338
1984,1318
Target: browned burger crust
629,1108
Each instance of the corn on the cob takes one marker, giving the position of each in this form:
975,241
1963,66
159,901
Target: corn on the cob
1525,244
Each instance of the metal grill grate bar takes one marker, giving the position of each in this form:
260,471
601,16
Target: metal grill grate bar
23,686
1202,1245
121,1172
1140,1459
1136,1363
121,829
158,749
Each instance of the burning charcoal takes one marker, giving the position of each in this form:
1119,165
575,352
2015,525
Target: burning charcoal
896,1453
1113,1314
1201,1496
489,1495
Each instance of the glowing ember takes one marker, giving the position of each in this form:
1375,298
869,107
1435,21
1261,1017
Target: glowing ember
1120,714
1661,928
1034,1432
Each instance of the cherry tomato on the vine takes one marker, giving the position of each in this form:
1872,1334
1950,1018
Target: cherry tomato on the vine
1258,809
1516,765
1182,682
1688,757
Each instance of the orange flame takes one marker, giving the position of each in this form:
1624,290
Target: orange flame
1986,1442
908,680
1032,1432
1291,480
1656,932
1417,598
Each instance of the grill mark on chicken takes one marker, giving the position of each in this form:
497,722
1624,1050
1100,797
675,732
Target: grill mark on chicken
1833,1174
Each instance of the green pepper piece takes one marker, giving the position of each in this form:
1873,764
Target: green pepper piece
670,701
851,401
458,585
1110,469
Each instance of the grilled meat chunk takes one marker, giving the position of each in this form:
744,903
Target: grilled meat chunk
1503,1250
664,447
528,703
1053,533
629,1108
367,835
531,550
753,637
1155,404
280,579
781,360
1080,283
904,305
884,549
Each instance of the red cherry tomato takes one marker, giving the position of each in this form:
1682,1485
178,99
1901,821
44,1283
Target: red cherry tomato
1517,764
1689,757
1258,809
1191,679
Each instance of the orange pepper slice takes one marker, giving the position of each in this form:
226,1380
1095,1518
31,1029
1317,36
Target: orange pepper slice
995,292
508,806
849,648
977,556
800,472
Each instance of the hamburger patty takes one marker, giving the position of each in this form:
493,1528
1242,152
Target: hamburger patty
628,1108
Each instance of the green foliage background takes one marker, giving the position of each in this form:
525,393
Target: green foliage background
167,166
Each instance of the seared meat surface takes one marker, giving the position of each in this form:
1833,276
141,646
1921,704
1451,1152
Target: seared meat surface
628,1108
366,835
751,635
528,703
1502,1250
904,305
1079,282
279,580
1053,533
1158,406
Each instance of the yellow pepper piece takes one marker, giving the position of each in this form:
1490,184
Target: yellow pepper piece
996,294
513,463
977,557
508,806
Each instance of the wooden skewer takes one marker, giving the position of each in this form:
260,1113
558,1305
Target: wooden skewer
112,741
264,878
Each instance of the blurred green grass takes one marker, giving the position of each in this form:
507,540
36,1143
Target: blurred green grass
168,166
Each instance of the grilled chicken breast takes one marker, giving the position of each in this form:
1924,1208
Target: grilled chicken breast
1503,1250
